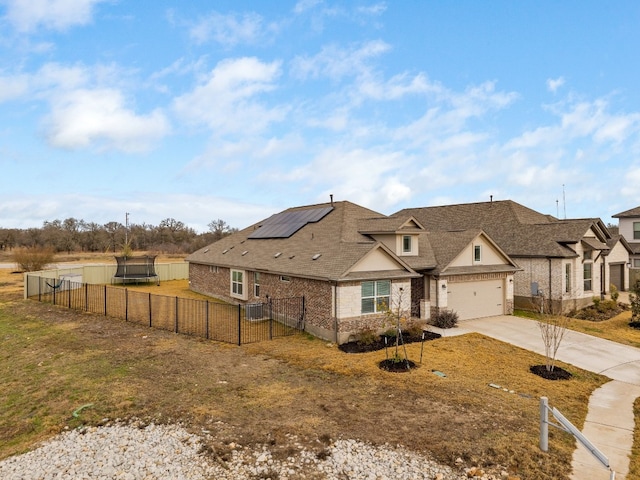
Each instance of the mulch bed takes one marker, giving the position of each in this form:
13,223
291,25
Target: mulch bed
635,325
556,374
379,344
596,314
395,366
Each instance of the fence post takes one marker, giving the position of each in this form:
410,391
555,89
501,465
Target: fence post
270,319
68,282
86,297
239,325
206,318
105,300
126,305
177,313
544,424
150,317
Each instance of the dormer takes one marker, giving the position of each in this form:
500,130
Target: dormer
400,235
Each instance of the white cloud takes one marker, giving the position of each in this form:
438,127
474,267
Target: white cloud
99,118
374,9
230,29
305,5
397,87
29,15
336,63
630,184
369,177
554,84
14,87
227,103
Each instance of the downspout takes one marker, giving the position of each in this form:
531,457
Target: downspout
550,293
603,289
335,311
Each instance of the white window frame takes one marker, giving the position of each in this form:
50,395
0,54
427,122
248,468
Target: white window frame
636,230
238,287
375,296
588,279
477,253
407,244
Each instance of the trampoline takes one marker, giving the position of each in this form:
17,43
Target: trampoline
138,269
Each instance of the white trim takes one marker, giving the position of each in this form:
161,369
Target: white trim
238,287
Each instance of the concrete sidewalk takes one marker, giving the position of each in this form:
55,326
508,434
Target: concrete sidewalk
610,423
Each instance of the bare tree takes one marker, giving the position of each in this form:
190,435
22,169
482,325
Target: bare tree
553,326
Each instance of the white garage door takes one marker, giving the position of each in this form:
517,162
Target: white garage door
476,299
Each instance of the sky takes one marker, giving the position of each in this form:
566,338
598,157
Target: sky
236,110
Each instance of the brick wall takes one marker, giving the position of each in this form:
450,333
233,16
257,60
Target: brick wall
320,320
216,283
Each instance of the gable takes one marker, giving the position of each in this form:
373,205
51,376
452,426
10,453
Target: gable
490,254
377,260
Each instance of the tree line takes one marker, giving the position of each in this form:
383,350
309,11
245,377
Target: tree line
170,236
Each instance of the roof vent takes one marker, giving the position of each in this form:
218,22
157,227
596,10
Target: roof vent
245,252
205,250
316,256
225,251
291,257
277,255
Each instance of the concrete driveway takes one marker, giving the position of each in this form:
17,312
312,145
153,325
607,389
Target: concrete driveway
610,422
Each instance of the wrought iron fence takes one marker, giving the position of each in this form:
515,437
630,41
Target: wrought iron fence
238,324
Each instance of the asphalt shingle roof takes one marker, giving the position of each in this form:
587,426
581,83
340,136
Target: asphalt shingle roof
518,230
334,241
634,212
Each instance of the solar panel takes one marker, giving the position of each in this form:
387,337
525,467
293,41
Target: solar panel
285,224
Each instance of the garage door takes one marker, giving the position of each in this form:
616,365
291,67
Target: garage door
476,299
616,276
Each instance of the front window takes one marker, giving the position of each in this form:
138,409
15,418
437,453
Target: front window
375,296
237,283
588,254
636,230
587,276
406,244
477,253
567,278
636,263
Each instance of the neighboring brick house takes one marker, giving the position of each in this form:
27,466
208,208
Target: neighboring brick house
351,263
566,262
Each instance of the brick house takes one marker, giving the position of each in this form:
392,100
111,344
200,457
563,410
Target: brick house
566,262
351,263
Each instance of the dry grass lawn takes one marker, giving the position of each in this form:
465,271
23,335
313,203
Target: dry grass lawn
52,361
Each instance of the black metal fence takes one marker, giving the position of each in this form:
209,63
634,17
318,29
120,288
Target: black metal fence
238,324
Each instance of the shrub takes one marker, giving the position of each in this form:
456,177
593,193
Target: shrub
613,290
445,319
634,300
368,336
414,327
33,259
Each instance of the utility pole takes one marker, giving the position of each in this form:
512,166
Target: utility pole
126,228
